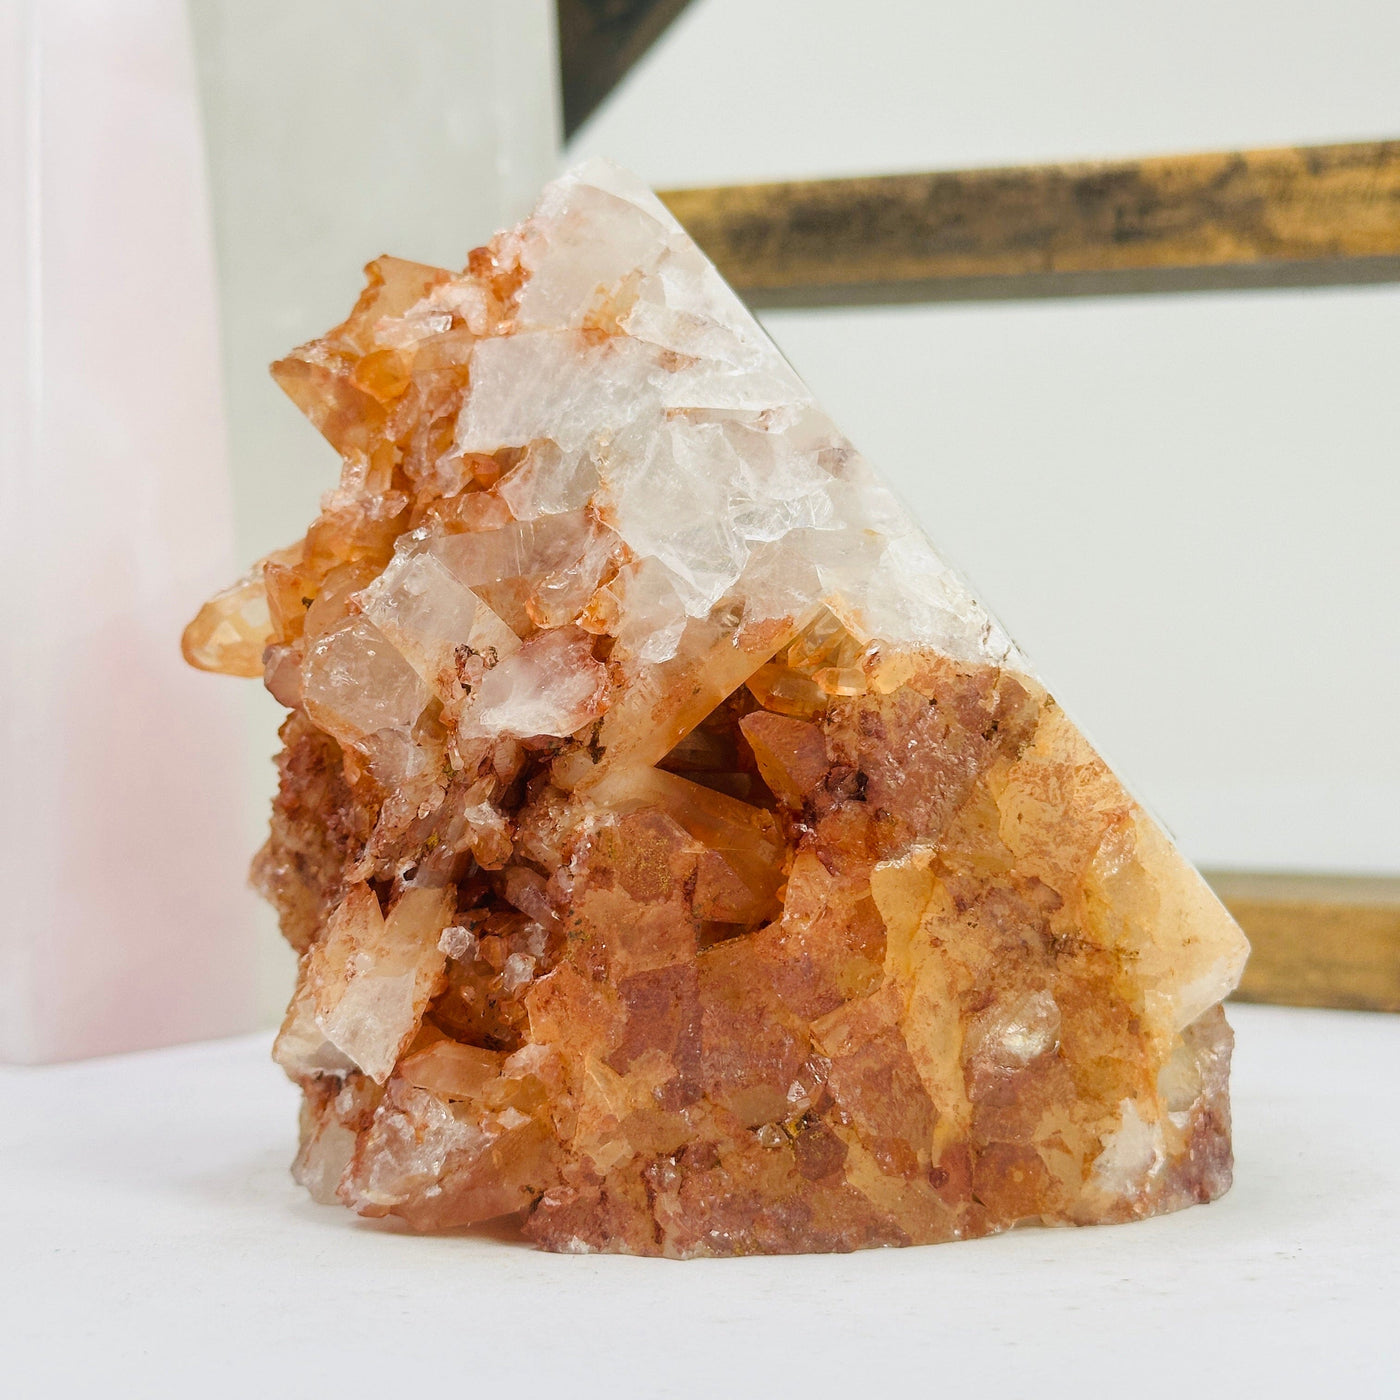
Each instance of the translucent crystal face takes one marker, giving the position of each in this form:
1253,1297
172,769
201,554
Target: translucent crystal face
678,853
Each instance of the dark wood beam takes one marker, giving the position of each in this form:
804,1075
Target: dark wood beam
1288,217
599,40
1317,940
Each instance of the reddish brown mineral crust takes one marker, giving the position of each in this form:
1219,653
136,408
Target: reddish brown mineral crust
676,882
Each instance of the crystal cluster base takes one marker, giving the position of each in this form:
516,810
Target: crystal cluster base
677,852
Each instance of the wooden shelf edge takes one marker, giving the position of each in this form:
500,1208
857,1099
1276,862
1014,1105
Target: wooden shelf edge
1317,940
1292,216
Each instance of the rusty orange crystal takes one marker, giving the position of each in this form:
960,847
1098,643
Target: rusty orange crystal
679,856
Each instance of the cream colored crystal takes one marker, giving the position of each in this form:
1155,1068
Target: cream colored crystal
367,983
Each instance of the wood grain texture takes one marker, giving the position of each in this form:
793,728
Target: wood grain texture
1317,940
1240,218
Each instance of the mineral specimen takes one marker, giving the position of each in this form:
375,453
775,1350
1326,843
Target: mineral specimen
678,854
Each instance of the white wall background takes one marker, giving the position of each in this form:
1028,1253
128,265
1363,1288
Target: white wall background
1186,508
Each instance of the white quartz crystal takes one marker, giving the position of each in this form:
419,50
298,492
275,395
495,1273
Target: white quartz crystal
696,443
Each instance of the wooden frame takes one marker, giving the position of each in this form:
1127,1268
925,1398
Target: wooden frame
1287,217
1318,940
599,41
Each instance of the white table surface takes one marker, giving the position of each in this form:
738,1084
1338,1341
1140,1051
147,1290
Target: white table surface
152,1244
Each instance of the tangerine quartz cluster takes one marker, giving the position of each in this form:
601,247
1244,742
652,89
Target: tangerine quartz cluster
678,854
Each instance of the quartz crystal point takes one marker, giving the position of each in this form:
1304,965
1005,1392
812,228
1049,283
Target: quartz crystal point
679,855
